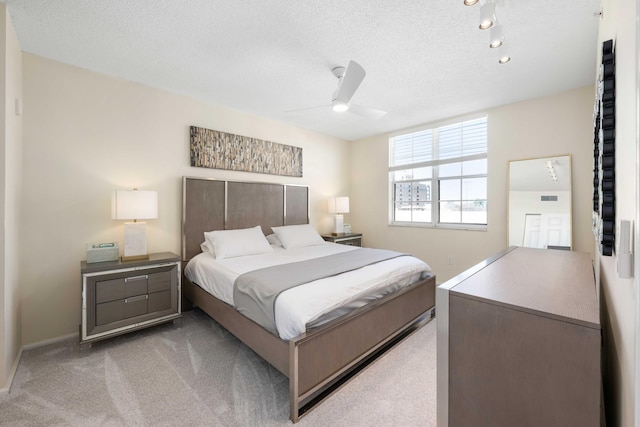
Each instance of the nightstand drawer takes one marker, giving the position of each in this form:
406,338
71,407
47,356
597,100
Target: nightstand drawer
124,287
136,285
159,281
109,290
351,242
122,309
159,301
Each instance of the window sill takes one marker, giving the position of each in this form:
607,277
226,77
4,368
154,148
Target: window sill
445,226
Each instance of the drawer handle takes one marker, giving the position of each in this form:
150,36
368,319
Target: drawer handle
134,299
131,279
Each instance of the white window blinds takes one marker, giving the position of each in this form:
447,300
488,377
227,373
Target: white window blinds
412,148
462,139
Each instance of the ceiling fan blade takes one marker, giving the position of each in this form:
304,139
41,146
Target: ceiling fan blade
349,83
366,112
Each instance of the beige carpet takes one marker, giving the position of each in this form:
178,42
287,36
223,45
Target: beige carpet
195,373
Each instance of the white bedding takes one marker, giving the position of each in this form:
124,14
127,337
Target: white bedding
304,304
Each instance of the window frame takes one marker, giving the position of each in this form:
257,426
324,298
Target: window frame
435,178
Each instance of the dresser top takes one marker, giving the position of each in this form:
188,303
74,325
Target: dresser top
552,283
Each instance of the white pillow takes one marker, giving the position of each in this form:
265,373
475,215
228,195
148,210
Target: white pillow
207,248
273,240
297,236
235,243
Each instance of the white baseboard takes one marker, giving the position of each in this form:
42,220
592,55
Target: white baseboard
50,341
12,374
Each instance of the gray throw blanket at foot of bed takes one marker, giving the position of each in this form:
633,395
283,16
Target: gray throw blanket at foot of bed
255,292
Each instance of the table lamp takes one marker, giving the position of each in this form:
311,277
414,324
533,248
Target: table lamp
134,205
338,206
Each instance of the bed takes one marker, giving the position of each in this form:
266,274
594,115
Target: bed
318,360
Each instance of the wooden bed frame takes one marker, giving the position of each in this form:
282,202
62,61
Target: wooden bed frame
319,361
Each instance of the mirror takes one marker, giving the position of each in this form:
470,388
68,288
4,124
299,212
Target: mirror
540,203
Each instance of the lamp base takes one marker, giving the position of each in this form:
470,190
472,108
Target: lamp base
338,228
135,241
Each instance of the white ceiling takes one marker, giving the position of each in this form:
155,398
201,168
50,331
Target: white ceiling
425,60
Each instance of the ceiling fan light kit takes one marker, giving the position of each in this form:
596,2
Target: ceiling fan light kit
349,80
488,20
339,106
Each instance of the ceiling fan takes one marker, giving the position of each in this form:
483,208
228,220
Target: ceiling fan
349,80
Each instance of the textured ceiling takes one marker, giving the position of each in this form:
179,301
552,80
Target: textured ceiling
425,59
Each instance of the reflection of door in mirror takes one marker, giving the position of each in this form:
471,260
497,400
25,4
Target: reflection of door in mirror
540,203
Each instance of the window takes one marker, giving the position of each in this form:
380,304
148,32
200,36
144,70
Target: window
438,176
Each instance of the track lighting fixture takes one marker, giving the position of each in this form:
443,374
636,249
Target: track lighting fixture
551,167
487,16
496,37
488,20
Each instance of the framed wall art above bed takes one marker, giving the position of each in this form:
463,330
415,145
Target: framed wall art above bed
221,150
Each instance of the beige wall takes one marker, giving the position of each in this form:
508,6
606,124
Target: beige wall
620,298
85,135
10,183
549,126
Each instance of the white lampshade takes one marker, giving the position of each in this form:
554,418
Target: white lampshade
339,205
134,204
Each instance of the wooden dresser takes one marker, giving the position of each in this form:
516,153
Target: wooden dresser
519,342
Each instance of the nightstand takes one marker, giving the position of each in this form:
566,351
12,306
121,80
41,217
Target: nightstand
122,296
350,239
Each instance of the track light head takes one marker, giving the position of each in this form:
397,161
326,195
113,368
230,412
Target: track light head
496,38
487,16
470,2
504,55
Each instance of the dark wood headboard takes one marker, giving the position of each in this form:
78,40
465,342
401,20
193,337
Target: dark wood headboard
209,204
